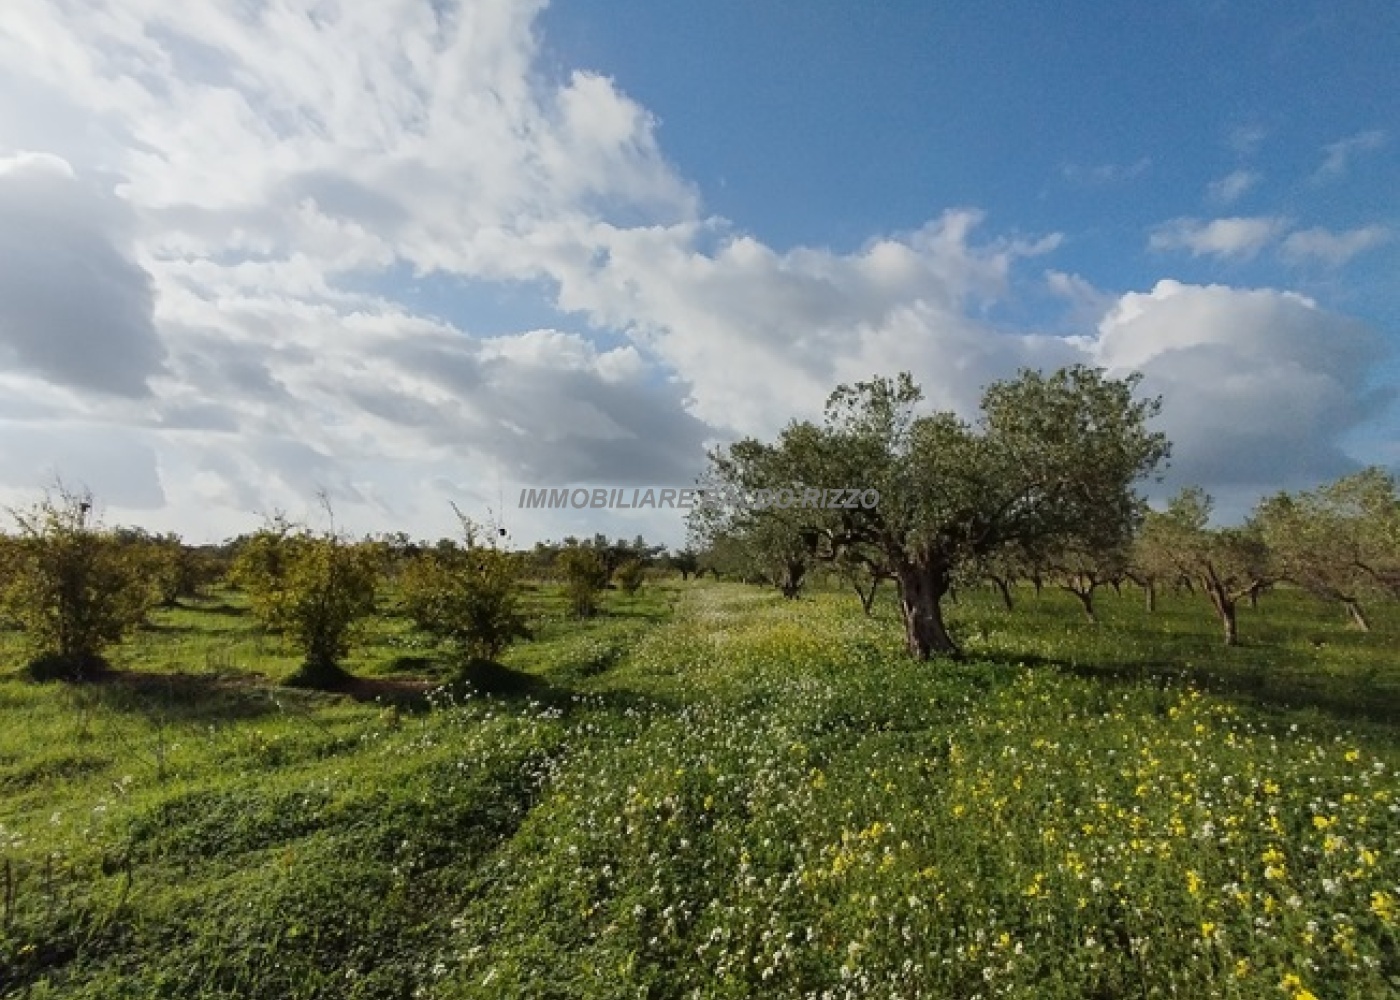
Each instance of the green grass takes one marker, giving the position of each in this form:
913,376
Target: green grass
709,791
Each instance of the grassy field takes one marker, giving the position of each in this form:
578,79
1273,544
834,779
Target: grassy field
711,792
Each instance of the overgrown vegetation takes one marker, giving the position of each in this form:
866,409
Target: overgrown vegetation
750,797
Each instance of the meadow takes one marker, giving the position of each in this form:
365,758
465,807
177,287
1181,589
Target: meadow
709,791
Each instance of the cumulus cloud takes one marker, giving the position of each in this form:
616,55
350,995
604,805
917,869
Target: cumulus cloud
1237,238
1087,303
1333,249
74,306
758,334
1258,385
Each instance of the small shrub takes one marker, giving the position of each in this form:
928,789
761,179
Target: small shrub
469,599
629,576
70,585
313,588
585,577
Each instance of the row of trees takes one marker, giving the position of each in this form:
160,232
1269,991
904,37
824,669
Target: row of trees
1042,489
74,587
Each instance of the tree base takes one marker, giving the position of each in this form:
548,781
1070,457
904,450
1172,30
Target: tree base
320,677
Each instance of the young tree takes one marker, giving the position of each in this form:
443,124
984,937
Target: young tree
313,587
863,571
470,600
72,587
1002,568
585,577
1228,564
629,576
1052,457
176,570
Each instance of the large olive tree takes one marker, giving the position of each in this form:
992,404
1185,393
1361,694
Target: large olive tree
1052,457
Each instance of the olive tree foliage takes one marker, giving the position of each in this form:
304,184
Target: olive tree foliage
314,587
1340,542
1052,457
70,584
467,596
1226,564
775,548
725,555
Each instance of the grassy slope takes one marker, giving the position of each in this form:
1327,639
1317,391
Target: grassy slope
753,797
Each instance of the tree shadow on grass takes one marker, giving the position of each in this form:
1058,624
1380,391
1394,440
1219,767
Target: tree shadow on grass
219,608
410,664
1271,685
167,628
180,697
488,677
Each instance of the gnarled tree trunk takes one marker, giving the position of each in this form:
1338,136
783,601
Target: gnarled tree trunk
922,587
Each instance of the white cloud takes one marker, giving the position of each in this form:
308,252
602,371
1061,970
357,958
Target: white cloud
1230,188
1339,155
1259,385
1238,238
1087,303
1332,249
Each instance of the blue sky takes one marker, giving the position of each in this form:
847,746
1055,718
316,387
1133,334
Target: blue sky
824,122
423,250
